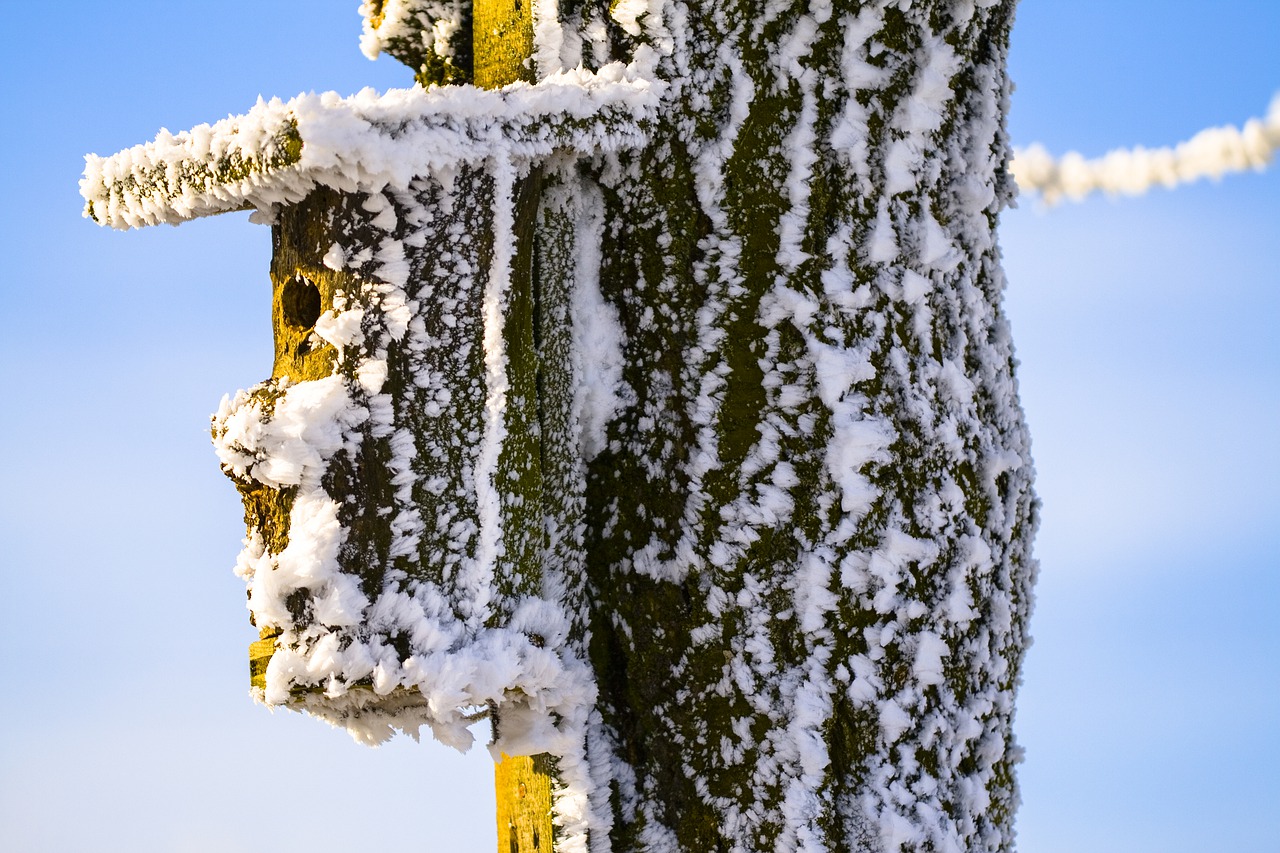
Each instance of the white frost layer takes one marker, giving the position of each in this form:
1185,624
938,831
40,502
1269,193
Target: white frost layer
881,348
455,625
597,333
292,445
824,351
366,142
541,696
433,21
497,380
540,689
1211,153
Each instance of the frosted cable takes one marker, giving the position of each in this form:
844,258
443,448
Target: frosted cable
1211,153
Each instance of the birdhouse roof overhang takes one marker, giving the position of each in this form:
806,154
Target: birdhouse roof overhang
279,151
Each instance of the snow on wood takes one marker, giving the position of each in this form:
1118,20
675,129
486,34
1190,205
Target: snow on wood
281,150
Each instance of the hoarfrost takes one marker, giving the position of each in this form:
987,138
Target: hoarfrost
1211,153
364,142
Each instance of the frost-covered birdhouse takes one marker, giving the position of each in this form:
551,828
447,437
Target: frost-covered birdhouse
413,465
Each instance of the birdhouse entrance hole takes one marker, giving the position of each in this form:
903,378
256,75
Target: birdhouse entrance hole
300,302
302,288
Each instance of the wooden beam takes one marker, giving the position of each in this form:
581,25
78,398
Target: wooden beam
502,42
523,786
502,50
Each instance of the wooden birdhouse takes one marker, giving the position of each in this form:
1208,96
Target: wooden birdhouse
412,469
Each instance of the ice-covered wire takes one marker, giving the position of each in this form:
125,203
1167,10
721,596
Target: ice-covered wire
1211,153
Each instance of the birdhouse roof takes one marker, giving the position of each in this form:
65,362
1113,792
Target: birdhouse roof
280,151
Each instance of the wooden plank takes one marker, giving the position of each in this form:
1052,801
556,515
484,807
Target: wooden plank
502,42
524,787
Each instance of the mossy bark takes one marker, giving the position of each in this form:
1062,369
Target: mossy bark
761,604
305,286
502,51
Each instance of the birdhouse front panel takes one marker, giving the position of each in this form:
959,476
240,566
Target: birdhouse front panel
391,469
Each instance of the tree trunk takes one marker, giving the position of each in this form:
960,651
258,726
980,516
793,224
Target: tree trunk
808,543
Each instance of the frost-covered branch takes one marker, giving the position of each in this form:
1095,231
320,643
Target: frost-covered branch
280,151
1211,153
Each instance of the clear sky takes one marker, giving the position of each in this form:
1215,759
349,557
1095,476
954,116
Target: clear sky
1148,331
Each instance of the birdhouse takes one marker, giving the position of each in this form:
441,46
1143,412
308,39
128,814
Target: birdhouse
412,469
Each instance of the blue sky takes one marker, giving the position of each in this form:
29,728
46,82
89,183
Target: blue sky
1150,371
1147,332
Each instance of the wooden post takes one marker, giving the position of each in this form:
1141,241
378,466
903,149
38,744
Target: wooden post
502,42
502,47
523,786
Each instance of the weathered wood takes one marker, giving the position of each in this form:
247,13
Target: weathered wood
204,175
302,290
502,42
263,159
800,554
502,50
809,554
260,653
428,386
524,790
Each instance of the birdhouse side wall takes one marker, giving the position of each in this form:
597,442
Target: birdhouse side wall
391,467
